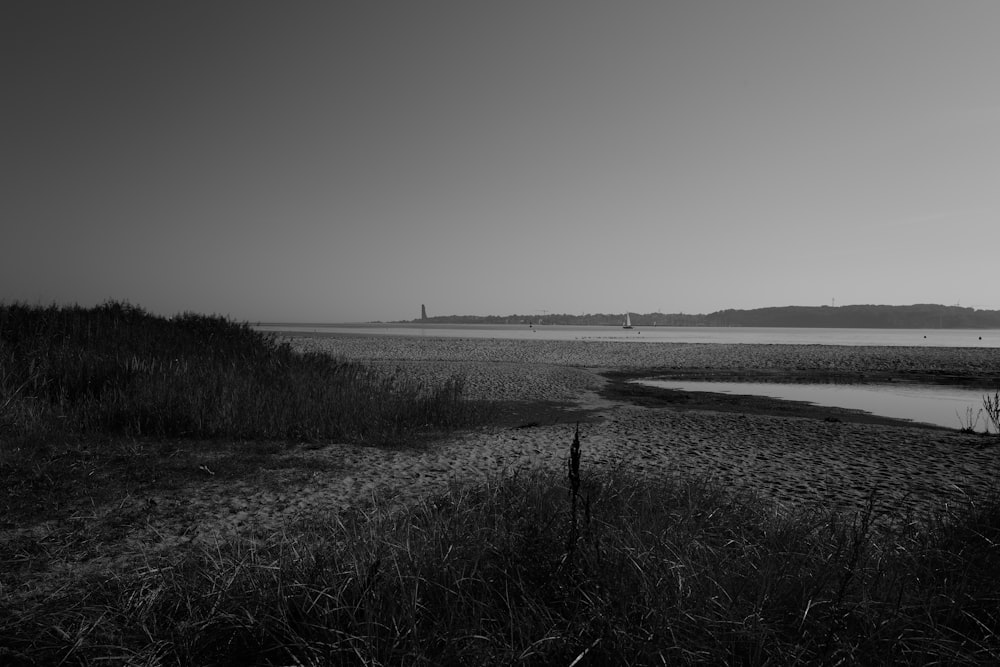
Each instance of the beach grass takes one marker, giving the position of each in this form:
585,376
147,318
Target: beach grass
117,370
991,405
660,572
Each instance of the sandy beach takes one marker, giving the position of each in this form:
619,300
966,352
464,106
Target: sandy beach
794,461
792,457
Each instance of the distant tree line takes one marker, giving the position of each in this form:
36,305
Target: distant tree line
917,316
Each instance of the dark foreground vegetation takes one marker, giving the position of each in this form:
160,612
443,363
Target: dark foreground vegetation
118,370
669,572
584,568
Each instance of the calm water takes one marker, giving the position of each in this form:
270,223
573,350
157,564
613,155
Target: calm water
943,406
810,336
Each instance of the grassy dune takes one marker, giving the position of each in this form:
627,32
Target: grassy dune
117,370
589,567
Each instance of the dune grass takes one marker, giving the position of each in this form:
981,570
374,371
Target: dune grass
118,370
657,572
991,405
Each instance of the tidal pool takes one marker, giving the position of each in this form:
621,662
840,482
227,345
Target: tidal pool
939,405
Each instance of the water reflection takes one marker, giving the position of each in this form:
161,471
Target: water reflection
942,406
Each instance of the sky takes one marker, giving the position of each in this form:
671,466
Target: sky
350,161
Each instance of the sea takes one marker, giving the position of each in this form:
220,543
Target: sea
649,334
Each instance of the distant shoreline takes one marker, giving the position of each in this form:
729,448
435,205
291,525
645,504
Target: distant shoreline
958,338
440,323
916,316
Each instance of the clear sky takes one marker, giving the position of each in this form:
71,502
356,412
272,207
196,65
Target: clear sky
349,161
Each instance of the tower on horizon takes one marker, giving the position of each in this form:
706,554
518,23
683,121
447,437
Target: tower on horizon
423,312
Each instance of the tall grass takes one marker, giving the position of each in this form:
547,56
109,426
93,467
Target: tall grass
116,369
662,572
991,404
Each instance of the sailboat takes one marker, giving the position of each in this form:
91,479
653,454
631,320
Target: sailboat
627,324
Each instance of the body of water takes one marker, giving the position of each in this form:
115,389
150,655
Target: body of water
939,405
759,335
